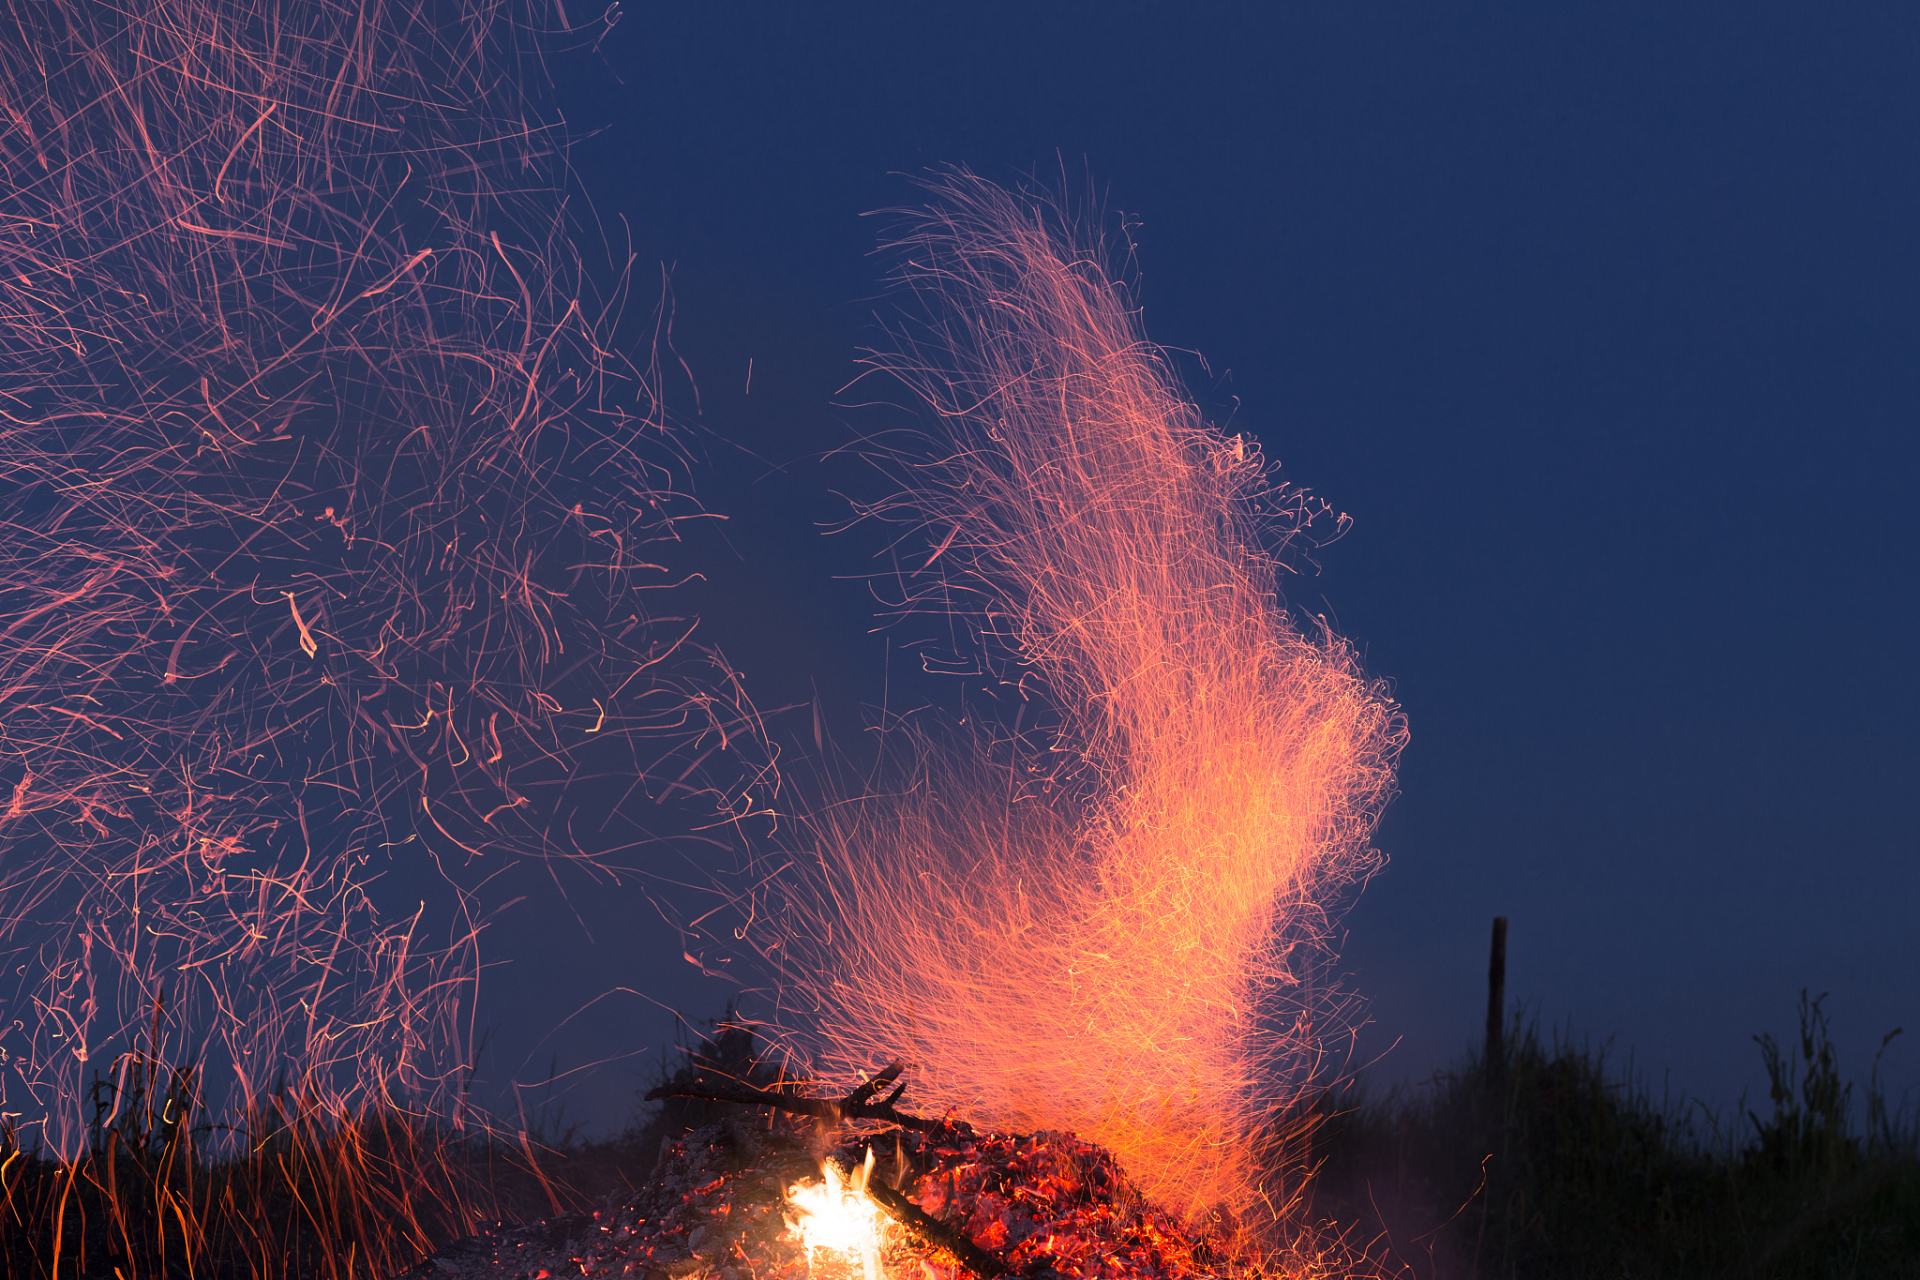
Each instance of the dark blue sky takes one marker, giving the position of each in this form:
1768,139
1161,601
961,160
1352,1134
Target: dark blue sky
1599,320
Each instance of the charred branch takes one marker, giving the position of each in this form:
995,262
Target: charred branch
855,1106
936,1233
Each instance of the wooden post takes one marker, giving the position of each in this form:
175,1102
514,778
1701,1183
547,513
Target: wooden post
1497,999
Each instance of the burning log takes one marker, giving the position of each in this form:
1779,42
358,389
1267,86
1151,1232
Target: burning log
936,1233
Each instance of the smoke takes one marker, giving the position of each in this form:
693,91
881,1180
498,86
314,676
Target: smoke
1112,931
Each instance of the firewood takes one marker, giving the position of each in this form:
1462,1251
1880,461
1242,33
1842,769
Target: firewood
855,1106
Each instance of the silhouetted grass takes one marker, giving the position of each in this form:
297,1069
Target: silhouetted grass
1542,1164
300,1190
1538,1166
304,1190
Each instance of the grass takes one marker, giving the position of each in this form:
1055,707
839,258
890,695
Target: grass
1539,1163
301,1190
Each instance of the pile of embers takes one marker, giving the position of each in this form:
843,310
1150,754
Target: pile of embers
956,1204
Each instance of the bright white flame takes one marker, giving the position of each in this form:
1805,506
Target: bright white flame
838,1217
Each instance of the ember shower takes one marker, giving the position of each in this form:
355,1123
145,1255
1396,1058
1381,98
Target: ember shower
325,502
1109,931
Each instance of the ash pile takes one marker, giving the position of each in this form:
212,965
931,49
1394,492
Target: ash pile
853,1190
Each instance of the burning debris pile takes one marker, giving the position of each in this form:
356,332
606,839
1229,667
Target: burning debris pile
801,1197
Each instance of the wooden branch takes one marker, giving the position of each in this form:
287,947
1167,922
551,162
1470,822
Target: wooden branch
855,1106
875,1085
936,1233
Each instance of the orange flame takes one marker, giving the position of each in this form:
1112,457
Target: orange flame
836,1217
1098,947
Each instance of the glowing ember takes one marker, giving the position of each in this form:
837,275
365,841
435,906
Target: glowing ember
837,1218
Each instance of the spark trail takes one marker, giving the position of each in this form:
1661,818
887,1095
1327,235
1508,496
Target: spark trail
326,502
1112,933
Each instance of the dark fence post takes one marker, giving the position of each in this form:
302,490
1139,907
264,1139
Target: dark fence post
1496,1057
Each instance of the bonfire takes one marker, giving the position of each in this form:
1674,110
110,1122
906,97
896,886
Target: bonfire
329,528
854,1189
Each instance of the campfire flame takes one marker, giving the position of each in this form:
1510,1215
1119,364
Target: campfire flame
836,1217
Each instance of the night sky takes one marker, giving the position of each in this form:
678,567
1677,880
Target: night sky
1600,322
